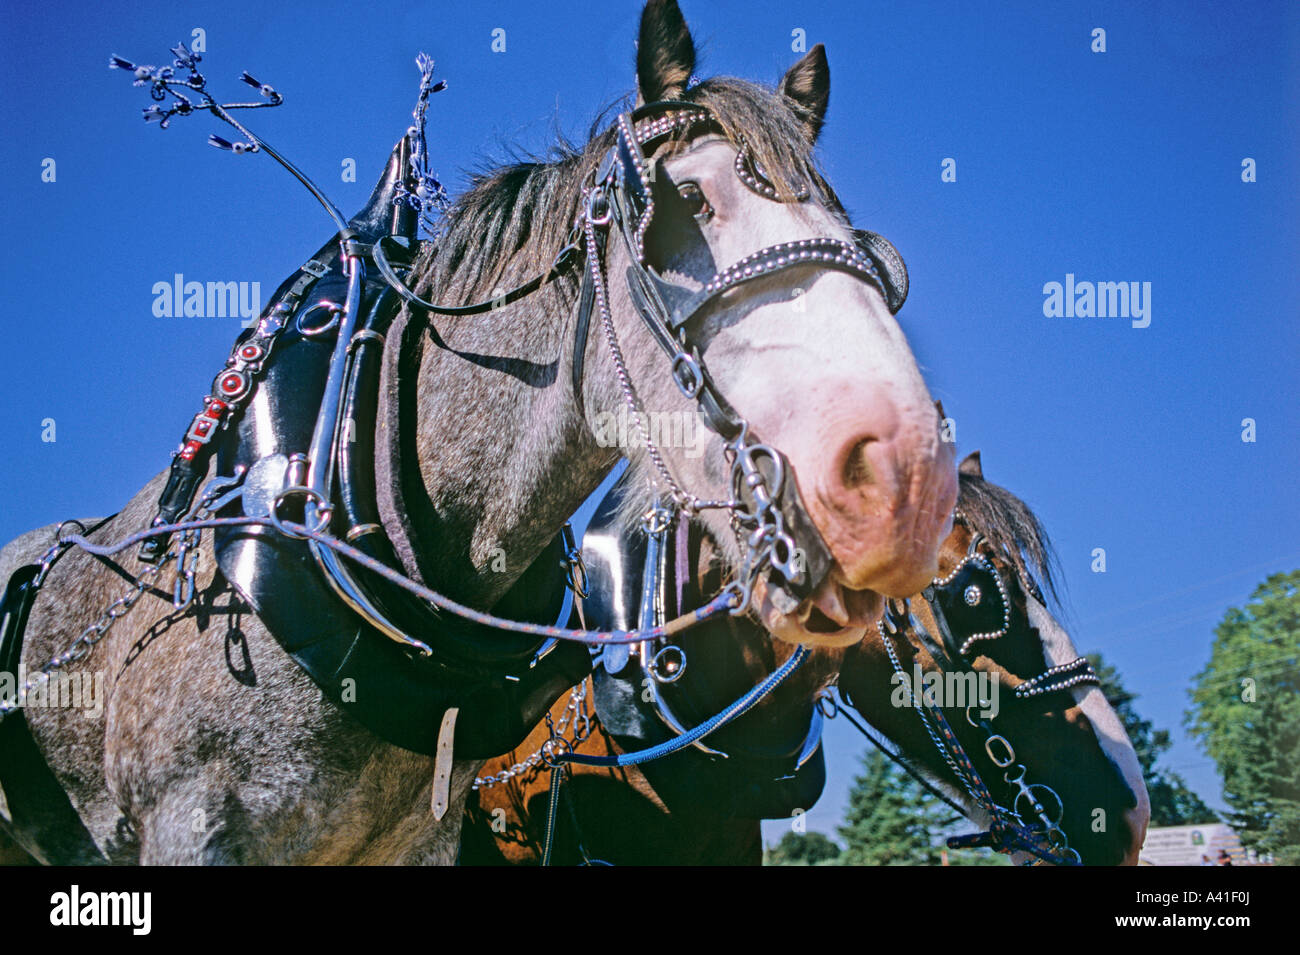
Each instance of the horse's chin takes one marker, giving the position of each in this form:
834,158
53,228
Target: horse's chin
834,616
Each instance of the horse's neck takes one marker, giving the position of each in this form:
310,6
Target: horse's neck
482,455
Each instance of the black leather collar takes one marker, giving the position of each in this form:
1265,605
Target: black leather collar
501,682
755,780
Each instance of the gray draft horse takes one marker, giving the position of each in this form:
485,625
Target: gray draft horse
214,746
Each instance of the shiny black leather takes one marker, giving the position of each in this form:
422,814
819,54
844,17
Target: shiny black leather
490,675
761,777
969,603
890,264
397,695
381,215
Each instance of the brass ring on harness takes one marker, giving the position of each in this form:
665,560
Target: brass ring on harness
1007,757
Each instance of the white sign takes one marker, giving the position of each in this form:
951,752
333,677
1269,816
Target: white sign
1192,845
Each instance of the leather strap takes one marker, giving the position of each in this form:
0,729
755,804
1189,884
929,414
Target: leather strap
563,262
443,757
45,823
582,329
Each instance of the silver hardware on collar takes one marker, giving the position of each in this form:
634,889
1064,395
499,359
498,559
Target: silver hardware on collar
668,664
575,717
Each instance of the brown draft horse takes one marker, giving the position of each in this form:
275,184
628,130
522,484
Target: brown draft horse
1073,743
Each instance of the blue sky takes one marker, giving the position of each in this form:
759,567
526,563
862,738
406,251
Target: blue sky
1115,166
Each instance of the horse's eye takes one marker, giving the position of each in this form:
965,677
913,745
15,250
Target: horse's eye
693,196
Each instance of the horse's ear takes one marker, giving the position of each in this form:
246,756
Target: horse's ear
971,466
808,87
665,53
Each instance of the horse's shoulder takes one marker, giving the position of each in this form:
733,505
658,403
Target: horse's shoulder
27,549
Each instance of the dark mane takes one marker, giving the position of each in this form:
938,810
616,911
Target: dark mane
1010,526
513,219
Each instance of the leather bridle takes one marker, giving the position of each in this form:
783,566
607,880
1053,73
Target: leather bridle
772,524
972,600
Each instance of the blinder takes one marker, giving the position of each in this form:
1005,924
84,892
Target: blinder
635,172
972,601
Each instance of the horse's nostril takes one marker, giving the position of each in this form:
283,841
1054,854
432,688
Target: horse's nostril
858,471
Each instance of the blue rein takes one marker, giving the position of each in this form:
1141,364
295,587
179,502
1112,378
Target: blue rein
741,706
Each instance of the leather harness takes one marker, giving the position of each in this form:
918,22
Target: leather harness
758,767
501,683
620,201
350,630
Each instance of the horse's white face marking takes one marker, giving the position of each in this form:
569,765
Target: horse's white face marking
817,365
1058,649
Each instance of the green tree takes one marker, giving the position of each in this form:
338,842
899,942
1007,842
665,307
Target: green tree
891,819
1172,803
1246,715
810,848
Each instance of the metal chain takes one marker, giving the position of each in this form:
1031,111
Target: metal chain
597,270
187,545
1057,843
575,713
921,711
85,643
